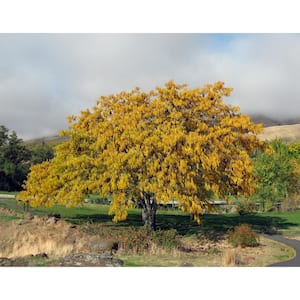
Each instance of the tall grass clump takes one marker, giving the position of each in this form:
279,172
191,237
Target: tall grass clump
230,258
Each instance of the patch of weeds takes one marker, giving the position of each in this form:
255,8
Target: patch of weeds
131,263
139,241
167,239
4,217
213,251
282,257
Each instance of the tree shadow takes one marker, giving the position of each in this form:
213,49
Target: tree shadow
213,226
133,220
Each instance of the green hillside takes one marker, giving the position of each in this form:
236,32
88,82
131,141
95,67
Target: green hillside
51,140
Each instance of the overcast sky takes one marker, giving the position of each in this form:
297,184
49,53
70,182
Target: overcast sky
46,77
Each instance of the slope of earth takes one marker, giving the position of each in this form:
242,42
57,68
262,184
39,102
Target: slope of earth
288,133
27,241
50,140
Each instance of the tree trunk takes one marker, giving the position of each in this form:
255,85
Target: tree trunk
148,205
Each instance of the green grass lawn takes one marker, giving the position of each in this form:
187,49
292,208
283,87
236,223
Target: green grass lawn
292,221
4,217
285,222
8,193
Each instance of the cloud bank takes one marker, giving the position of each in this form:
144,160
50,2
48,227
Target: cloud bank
46,77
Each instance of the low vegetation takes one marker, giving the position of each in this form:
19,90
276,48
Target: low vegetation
17,157
243,236
179,241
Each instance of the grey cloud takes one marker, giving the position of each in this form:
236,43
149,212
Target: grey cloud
46,77
266,75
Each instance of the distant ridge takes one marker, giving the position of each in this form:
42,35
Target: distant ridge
288,130
51,140
288,133
268,122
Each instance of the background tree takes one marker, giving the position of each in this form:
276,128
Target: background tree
149,148
14,160
40,152
274,171
293,200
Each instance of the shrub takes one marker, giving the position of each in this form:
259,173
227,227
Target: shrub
166,239
132,240
139,241
246,208
243,236
135,241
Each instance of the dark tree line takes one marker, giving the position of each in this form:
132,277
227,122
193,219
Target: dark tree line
16,159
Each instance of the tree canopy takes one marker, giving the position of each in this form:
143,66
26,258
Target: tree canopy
278,173
40,152
149,148
14,160
273,170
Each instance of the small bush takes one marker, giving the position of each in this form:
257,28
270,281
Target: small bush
243,236
132,240
166,239
135,241
139,241
246,208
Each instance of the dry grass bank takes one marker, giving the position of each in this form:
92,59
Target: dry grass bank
288,133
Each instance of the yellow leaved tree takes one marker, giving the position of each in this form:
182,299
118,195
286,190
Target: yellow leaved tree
143,149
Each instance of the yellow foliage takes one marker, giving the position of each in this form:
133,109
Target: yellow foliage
171,143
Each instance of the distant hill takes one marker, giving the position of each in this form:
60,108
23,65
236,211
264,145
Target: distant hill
267,121
288,130
288,133
51,140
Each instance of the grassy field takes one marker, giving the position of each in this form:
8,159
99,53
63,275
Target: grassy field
285,222
4,217
8,193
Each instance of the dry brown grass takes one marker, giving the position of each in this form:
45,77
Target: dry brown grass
21,238
288,133
268,252
230,258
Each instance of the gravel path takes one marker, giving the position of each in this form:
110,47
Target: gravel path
294,262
